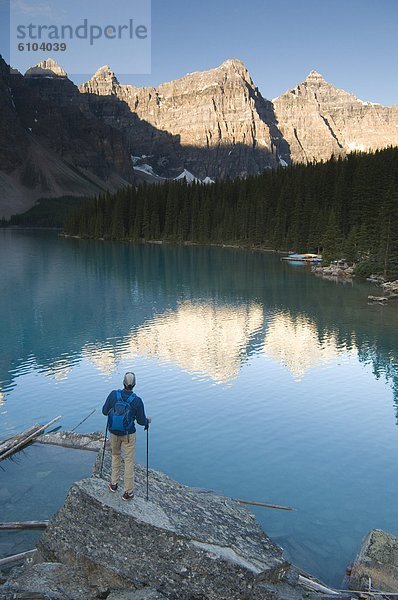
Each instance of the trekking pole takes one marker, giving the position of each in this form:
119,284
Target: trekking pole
147,462
103,450
85,419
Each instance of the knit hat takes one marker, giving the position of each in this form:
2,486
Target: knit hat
129,380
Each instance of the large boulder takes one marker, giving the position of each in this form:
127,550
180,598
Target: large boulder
181,542
376,565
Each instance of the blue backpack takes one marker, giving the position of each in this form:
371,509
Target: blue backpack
120,417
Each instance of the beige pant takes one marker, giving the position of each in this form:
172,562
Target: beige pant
127,442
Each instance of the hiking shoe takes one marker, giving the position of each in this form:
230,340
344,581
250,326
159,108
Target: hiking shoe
112,487
128,496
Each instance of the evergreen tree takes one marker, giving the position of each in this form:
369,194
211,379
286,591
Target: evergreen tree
332,241
388,248
350,246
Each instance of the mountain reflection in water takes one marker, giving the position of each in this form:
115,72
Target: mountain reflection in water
295,343
199,338
214,341
205,309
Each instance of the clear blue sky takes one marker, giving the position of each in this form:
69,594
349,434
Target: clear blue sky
353,43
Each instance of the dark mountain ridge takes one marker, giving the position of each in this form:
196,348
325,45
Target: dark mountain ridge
51,144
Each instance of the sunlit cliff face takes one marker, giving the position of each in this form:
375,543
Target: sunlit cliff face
294,342
200,338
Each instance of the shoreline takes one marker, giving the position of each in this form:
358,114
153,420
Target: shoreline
176,243
225,555
345,273
26,228
342,273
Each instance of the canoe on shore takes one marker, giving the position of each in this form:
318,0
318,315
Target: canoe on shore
306,258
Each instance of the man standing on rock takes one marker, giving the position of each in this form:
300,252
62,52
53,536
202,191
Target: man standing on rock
123,407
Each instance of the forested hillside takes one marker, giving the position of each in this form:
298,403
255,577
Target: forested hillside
347,208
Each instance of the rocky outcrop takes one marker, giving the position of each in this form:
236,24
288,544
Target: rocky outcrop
213,123
48,581
180,543
319,120
336,271
390,290
376,565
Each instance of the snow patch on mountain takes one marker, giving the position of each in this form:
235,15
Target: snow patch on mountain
356,147
146,169
188,176
365,103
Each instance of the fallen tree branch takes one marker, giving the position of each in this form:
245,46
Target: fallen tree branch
277,506
10,442
87,441
17,557
24,525
27,438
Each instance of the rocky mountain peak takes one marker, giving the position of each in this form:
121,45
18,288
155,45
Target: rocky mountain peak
232,68
319,120
314,77
212,123
103,83
234,64
46,68
105,73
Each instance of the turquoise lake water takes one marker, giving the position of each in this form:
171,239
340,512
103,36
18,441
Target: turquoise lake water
264,382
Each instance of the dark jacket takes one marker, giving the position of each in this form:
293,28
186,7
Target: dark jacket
137,406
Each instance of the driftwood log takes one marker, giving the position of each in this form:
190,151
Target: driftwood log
77,441
23,525
265,505
8,447
11,441
17,557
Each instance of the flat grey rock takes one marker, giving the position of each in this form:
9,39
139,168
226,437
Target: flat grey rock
51,580
180,544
